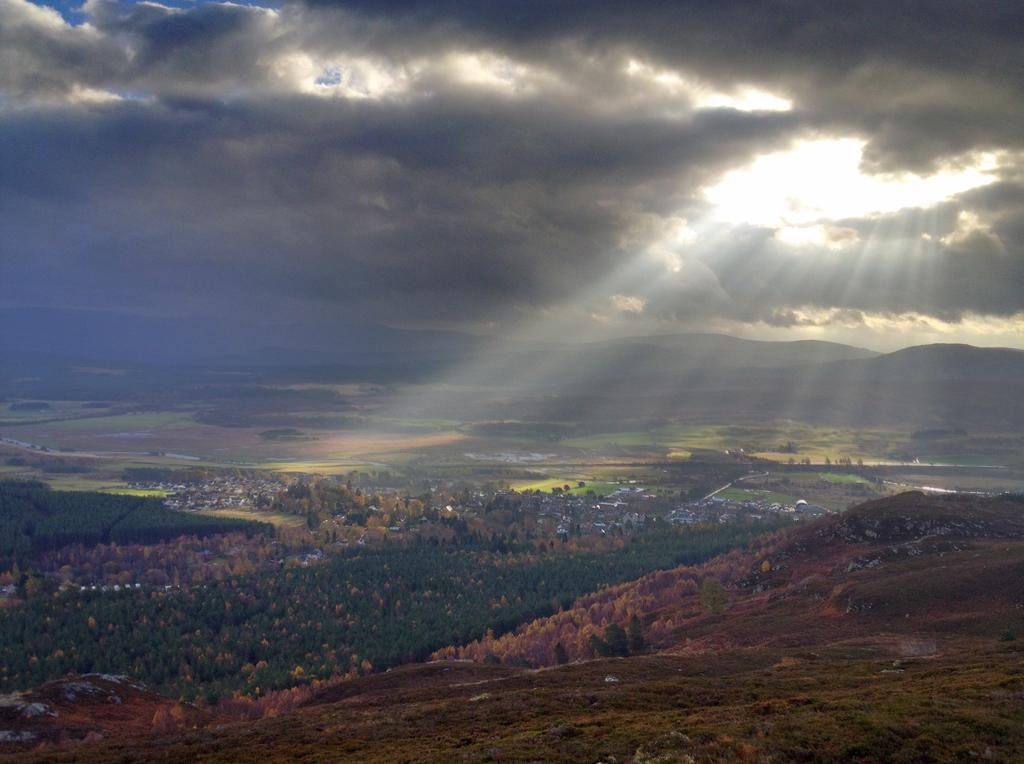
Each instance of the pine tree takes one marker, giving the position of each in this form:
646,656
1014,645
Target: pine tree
616,640
561,657
712,595
598,647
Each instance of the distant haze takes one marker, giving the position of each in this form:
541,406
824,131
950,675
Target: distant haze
690,377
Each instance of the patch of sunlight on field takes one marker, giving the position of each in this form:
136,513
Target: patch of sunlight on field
601,488
543,485
361,445
262,516
62,483
318,467
82,483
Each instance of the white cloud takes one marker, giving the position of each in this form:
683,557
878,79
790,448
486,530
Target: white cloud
488,71
971,233
623,303
21,13
745,99
830,237
741,97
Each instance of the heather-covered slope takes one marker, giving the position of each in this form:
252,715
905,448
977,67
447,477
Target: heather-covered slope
851,704
89,707
904,568
893,632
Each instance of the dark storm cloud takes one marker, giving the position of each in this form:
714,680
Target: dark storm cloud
466,161
448,203
922,79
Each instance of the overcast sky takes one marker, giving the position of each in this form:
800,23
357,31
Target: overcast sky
792,169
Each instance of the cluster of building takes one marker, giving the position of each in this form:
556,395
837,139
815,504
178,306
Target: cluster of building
215,492
718,510
625,510
628,509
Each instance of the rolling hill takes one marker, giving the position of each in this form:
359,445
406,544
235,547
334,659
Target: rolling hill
704,378
721,379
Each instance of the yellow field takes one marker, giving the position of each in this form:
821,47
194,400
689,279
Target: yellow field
544,485
325,467
262,516
82,483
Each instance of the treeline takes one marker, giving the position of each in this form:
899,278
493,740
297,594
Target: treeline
177,562
623,619
276,629
35,519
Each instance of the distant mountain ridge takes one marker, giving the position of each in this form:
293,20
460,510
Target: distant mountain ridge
682,377
88,335
744,352
952,360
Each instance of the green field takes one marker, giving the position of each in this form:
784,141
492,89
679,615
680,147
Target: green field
601,488
275,518
751,494
816,443
840,477
339,466
136,491
75,482
387,440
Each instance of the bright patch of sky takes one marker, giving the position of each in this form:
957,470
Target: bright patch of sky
822,179
704,96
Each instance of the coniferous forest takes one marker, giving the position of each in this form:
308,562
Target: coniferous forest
35,519
268,629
